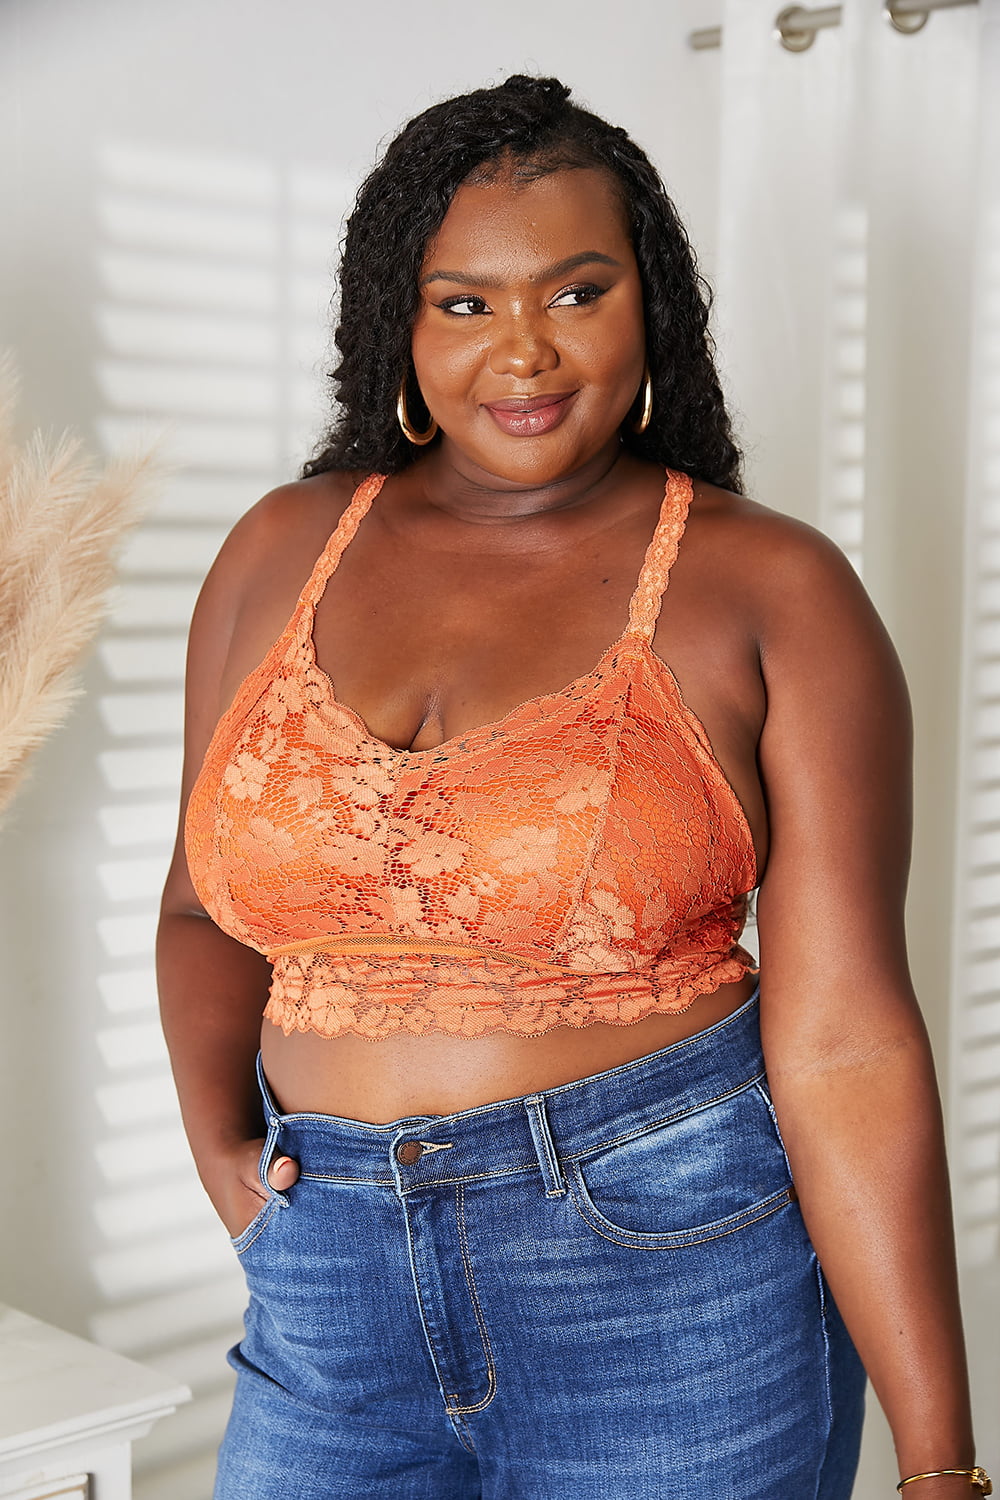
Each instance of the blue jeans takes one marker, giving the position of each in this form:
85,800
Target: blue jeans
604,1290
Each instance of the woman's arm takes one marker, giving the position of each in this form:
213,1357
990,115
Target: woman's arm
847,1054
212,993
212,988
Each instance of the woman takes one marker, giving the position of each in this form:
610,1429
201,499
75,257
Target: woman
515,1213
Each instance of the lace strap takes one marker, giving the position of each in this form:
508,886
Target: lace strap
644,608
343,533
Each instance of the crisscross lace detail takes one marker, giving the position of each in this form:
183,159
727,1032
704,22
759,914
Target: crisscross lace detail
341,538
583,858
644,606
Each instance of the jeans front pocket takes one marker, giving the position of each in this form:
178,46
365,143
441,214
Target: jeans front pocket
697,1177
274,1200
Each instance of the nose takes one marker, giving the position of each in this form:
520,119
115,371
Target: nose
522,346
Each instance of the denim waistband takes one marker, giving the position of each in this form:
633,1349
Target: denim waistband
534,1130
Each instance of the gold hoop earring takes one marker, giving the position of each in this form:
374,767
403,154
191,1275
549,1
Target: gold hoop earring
418,439
647,403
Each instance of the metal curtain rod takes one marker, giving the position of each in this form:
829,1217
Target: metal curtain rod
795,27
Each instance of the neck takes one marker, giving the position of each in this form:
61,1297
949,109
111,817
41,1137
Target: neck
455,485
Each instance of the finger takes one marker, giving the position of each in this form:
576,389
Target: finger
282,1173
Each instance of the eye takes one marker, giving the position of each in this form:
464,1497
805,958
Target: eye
579,295
464,307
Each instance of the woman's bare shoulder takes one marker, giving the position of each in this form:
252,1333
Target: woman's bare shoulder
784,568
289,518
261,568
772,537
276,542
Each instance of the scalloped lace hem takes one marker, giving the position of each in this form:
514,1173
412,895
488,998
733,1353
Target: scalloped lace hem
332,998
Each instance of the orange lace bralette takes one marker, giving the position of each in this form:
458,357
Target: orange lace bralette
581,859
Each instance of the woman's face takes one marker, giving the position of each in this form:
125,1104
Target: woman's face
529,344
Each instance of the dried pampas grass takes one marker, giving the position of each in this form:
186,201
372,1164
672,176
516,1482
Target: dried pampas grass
61,521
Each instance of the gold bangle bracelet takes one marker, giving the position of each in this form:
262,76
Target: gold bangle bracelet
977,1477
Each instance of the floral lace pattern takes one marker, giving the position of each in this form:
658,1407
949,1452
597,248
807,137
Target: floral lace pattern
581,859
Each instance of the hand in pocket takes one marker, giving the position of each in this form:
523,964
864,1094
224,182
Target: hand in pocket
235,1188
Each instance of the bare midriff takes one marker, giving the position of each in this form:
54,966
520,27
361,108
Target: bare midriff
436,1074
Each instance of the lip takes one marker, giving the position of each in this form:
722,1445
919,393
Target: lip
530,416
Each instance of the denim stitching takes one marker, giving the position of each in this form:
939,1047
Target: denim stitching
361,1181
828,1394
541,1135
480,1320
258,1224
724,1224
566,1156
435,1357
462,1431
266,1151
681,1114
431,1182
764,1093
683,1244
680,1239
531,1166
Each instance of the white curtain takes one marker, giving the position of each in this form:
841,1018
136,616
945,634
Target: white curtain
858,320
975,989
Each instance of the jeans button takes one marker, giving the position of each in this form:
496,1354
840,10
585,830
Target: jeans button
408,1152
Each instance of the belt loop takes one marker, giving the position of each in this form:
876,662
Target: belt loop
272,1120
545,1148
270,1108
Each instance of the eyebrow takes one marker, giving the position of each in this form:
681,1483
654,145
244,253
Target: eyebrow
560,268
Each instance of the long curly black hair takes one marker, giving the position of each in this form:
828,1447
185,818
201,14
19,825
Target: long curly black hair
531,124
